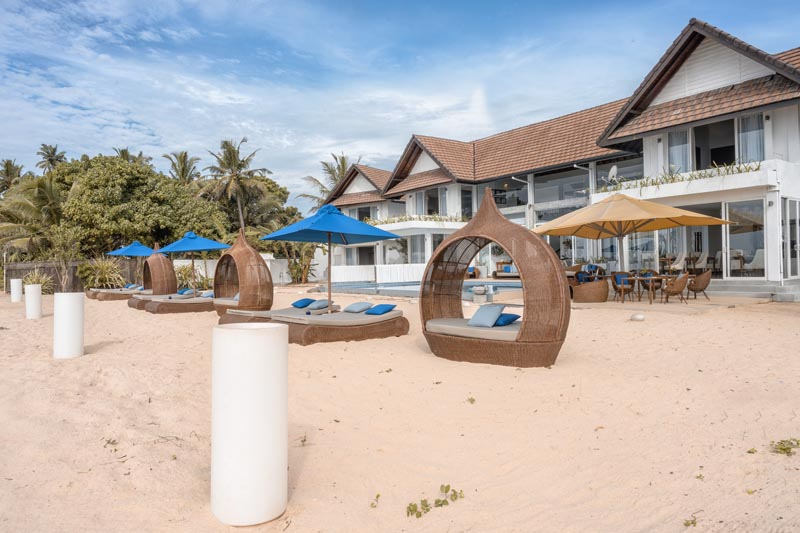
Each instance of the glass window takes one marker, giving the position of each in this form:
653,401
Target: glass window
714,144
438,238
746,238
642,251
466,202
351,256
561,186
627,170
362,213
508,192
443,201
679,152
432,202
751,138
417,245
609,252
419,203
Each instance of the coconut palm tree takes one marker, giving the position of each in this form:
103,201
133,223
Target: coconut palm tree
333,172
123,153
51,157
28,211
182,167
232,177
10,174
140,159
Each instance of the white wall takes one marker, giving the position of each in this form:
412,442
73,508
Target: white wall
653,155
785,133
359,184
423,164
711,66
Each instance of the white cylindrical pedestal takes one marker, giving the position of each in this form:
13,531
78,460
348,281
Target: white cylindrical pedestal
16,290
68,325
249,422
33,302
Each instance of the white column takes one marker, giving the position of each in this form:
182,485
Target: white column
33,302
249,422
68,325
773,237
16,290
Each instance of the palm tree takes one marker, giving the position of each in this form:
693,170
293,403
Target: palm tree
10,174
139,159
123,153
26,214
51,157
333,172
182,167
232,176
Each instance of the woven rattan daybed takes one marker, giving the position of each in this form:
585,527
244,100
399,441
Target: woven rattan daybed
179,305
241,270
305,329
106,295
537,339
158,276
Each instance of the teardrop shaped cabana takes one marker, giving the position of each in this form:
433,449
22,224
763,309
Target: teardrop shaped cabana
546,305
241,270
158,276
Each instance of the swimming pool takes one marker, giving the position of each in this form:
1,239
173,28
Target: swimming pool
412,289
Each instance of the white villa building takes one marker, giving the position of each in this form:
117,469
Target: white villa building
714,127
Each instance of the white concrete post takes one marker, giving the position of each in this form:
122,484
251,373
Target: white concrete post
249,422
68,325
33,302
16,290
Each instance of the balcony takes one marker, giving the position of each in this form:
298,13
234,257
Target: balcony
413,224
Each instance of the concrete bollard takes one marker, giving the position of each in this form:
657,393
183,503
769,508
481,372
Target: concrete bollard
16,290
249,422
67,325
33,302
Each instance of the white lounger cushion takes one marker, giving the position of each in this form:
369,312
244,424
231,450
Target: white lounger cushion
290,312
143,292
164,296
458,327
338,319
230,302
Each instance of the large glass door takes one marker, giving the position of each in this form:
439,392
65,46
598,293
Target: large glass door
745,239
791,237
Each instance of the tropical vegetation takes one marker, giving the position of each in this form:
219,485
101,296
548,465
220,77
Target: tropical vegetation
333,172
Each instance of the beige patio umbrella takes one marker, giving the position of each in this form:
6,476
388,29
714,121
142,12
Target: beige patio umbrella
620,215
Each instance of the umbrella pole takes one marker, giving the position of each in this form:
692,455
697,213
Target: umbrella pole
330,274
621,253
194,281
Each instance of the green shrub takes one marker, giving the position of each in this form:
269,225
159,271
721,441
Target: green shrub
184,275
37,277
101,273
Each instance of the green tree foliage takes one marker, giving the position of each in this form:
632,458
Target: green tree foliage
333,172
182,167
10,174
51,157
114,201
28,210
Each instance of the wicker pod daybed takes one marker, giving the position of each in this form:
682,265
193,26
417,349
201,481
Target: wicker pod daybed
241,270
158,276
537,339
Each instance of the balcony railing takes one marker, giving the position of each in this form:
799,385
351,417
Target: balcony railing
674,177
415,218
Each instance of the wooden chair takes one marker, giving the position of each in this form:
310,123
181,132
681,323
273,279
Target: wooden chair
699,284
622,286
645,285
675,288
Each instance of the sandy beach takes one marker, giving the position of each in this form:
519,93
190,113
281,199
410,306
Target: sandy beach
639,426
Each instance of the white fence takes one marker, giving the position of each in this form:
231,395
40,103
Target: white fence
279,268
399,273
347,273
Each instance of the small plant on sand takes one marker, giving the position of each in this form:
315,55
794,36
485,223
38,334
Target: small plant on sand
37,277
785,446
374,502
752,451
691,521
447,495
471,399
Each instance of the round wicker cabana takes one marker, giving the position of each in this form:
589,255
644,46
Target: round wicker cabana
159,275
545,290
241,270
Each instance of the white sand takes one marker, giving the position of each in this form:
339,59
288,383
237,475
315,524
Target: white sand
611,438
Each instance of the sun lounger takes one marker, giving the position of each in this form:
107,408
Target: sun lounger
458,327
179,305
234,316
139,301
106,295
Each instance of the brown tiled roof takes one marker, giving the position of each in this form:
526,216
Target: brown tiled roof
357,198
455,156
739,97
790,57
420,180
377,176
555,142
688,40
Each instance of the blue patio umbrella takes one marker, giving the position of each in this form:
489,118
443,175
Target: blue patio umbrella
134,249
190,243
332,226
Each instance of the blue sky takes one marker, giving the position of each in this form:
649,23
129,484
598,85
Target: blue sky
303,79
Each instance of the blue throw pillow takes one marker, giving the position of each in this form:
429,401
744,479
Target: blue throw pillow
319,304
622,278
591,268
303,302
358,307
486,315
130,285
582,277
506,319
470,269
380,309
183,291
507,268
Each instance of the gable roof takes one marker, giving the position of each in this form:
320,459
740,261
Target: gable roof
683,46
376,176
